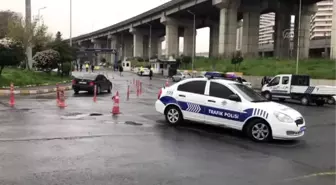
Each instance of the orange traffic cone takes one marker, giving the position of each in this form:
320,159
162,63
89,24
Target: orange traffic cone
167,83
95,94
115,108
61,102
12,98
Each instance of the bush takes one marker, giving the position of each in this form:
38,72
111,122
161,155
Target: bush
67,68
46,60
11,53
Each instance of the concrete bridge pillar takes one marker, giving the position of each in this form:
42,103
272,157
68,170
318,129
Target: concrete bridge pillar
138,42
250,38
128,46
172,37
227,26
114,45
188,40
282,31
304,32
214,34
154,46
96,45
159,46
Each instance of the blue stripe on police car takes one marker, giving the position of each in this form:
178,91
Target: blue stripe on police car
216,112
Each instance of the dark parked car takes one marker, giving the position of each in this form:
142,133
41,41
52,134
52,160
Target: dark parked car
86,82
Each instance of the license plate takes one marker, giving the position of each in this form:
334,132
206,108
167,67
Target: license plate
302,129
82,82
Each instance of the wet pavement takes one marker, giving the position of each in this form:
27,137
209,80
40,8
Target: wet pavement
84,144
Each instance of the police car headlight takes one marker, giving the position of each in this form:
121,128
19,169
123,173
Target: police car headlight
283,117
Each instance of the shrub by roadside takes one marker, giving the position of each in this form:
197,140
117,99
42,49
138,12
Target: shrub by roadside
24,77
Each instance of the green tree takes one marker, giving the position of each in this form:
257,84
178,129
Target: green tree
236,60
5,18
186,60
40,36
67,53
11,53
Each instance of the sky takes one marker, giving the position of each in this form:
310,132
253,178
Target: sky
91,15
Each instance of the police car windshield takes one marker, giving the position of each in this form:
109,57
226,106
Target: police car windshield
248,93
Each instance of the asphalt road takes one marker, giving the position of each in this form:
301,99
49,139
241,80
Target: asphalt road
42,144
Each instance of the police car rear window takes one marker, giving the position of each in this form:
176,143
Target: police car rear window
196,87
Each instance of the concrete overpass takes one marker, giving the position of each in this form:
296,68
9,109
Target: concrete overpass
142,35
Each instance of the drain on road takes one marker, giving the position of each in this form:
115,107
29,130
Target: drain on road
73,114
133,123
95,114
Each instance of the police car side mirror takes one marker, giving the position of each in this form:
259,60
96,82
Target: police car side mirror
234,97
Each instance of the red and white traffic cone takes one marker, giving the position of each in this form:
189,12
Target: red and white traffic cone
167,83
61,103
115,108
12,98
95,94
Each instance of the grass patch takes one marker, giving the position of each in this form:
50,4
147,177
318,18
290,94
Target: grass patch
316,68
24,77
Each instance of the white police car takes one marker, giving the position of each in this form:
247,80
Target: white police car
229,104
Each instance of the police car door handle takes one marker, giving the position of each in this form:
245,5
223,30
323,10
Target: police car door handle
212,101
181,95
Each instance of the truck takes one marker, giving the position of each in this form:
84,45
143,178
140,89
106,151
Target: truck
297,87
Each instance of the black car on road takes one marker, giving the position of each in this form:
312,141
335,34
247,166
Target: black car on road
87,82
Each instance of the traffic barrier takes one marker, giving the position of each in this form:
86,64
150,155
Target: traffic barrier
115,108
61,103
128,92
12,98
95,94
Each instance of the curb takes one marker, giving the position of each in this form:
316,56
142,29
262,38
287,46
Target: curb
41,85
32,92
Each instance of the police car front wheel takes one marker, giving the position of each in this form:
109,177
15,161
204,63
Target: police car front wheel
259,130
173,115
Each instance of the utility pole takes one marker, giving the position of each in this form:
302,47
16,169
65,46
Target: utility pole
194,38
70,22
298,38
28,34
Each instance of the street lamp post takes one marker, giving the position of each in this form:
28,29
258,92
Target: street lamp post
298,38
194,37
150,41
28,34
70,23
39,12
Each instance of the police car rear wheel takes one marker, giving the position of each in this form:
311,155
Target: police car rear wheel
173,115
259,130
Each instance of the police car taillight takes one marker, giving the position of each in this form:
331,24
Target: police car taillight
160,92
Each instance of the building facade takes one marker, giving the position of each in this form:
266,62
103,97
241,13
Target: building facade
321,24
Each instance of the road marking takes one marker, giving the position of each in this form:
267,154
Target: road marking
312,175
